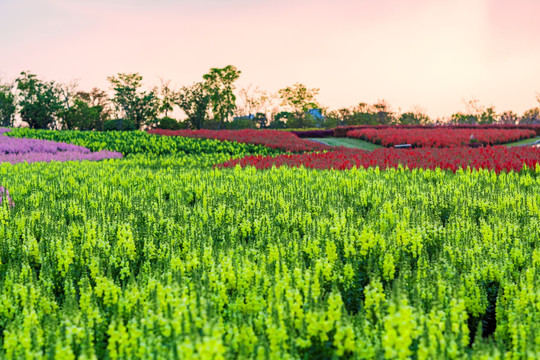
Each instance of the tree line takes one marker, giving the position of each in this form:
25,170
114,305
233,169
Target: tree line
211,103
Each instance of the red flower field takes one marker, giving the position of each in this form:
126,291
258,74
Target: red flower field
498,158
282,140
438,137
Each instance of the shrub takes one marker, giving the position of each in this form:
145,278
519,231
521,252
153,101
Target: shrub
118,125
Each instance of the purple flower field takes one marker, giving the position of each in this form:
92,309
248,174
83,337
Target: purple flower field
15,150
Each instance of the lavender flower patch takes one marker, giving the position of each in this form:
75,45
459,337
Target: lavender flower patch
4,130
4,195
59,156
9,145
16,150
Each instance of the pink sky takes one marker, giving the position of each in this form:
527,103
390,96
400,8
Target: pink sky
432,54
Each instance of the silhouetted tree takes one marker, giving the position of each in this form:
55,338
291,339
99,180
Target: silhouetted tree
194,100
508,118
39,101
531,117
219,84
133,104
8,104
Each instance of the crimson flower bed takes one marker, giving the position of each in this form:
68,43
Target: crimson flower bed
498,158
282,140
341,131
438,138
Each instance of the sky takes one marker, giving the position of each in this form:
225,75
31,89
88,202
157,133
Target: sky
433,55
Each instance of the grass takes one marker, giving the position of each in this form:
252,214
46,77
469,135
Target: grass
524,142
348,142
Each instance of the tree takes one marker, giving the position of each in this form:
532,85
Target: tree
81,116
261,120
488,116
219,84
531,117
167,97
139,107
300,100
39,102
384,115
84,110
509,118
413,118
8,104
249,101
194,101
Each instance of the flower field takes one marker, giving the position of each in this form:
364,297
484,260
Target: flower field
498,158
14,150
438,137
163,255
281,140
139,142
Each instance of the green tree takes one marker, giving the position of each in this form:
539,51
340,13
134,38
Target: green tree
508,117
219,84
413,118
383,113
81,116
133,104
167,96
531,117
300,100
39,101
85,110
194,101
461,118
8,104
261,120
488,116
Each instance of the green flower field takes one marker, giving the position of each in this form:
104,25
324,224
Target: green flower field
161,255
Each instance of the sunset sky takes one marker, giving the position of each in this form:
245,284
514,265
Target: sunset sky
430,54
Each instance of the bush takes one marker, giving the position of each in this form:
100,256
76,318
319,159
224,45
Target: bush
118,125
168,123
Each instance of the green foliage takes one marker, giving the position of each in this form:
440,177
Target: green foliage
241,122
167,98
167,123
81,116
508,118
413,118
278,123
478,115
164,258
488,116
531,117
139,142
300,100
460,118
133,104
260,120
39,101
219,84
194,100
364,114
8,105
119,125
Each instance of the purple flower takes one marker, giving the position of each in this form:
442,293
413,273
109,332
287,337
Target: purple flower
59,156
4,193
15,150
